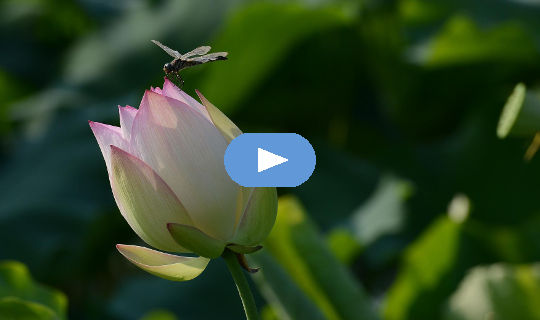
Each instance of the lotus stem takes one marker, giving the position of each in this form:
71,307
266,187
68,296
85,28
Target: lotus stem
241,284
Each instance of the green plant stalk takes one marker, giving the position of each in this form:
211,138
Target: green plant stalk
241,284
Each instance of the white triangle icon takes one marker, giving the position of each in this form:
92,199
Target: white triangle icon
267,159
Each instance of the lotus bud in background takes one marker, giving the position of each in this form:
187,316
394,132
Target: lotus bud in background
521,113
521,117
165,165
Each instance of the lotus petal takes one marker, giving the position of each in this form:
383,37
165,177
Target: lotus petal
172,91
227,128
242,200
106,136
146,201
156,90
127,115
187,151
258,218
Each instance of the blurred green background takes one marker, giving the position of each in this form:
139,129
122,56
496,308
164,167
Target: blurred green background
400,100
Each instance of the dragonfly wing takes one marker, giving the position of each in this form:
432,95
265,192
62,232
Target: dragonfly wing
173,53
197,52
210,57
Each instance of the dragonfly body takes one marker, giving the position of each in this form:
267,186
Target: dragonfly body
195,57
178,64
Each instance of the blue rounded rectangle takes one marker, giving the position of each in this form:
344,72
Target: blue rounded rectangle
270,160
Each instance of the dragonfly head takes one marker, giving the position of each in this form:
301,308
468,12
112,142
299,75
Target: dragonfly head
168,68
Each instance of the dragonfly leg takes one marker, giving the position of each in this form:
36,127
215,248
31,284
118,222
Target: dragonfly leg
176,79
180,80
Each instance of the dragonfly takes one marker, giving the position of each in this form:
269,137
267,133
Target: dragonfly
195,57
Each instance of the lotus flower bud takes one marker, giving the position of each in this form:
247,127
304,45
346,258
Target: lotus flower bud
165,165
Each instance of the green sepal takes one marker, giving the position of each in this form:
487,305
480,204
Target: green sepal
196,241
237,248
164,265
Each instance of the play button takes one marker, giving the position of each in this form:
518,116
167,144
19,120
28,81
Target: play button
269,160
